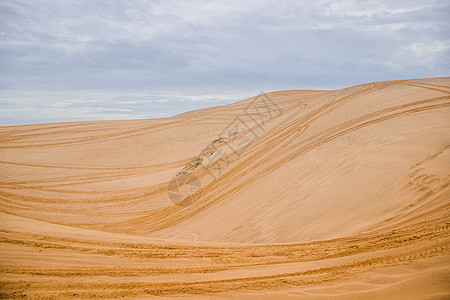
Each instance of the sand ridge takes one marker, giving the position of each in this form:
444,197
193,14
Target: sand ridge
303,194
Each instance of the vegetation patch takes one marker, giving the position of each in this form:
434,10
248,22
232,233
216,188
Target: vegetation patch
193,164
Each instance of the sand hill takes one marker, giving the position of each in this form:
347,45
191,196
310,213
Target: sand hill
291,194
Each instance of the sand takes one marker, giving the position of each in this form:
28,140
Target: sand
294,194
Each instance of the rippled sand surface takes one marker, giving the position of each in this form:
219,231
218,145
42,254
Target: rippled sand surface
293,194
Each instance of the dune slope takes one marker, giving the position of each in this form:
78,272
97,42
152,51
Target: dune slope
297,194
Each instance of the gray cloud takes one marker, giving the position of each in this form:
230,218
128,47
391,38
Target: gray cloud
195,47
84,105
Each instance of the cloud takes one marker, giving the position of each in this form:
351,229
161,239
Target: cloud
161,47
37,106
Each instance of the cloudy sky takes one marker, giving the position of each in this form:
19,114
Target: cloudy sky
93,60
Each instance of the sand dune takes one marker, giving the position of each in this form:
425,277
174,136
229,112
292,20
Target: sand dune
293,194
